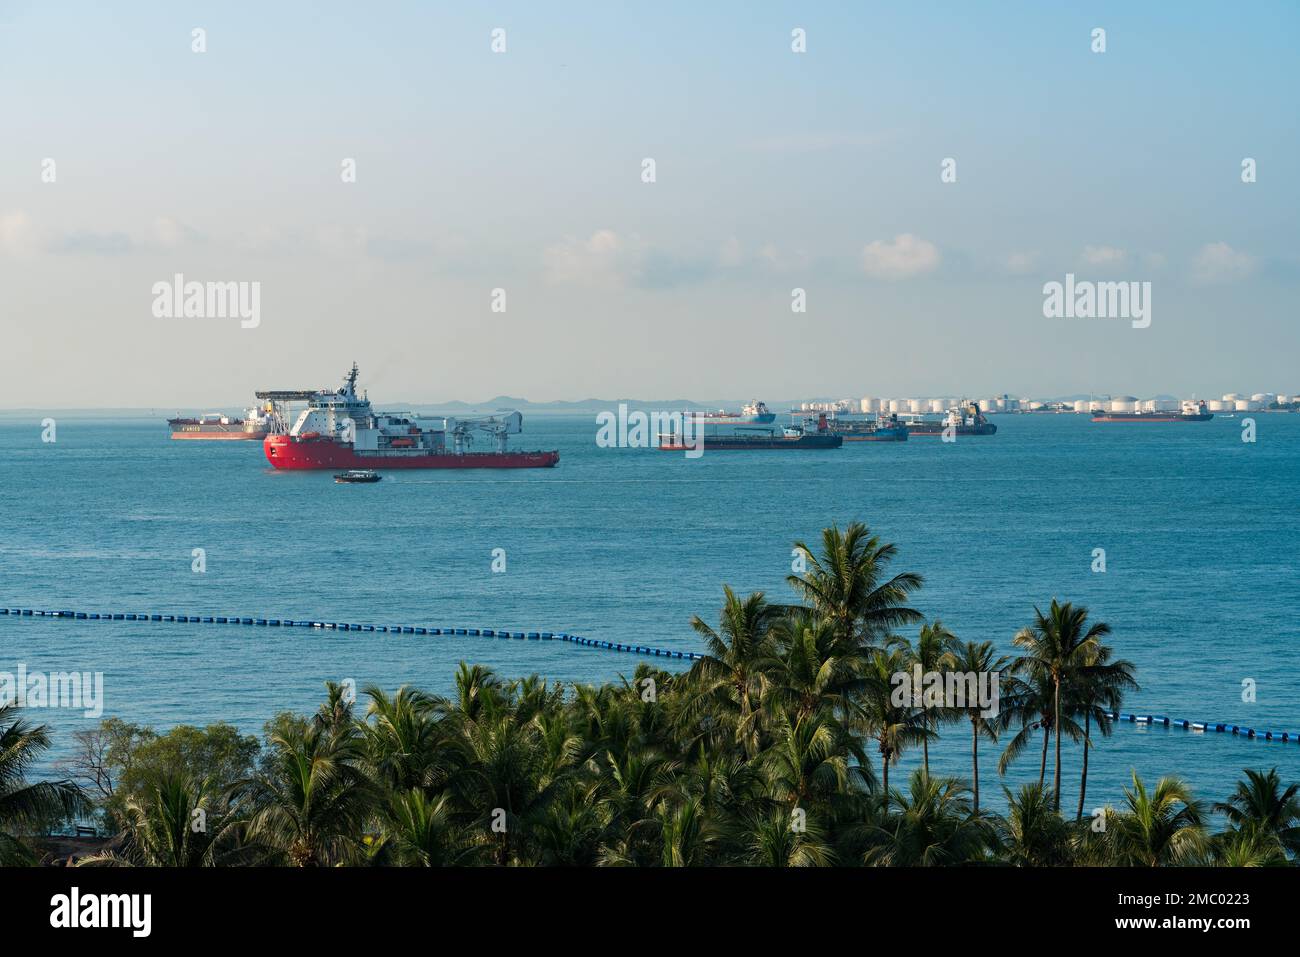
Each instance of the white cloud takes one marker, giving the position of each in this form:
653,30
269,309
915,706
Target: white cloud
1219,262
904,257
1020,263
604,259
1103,255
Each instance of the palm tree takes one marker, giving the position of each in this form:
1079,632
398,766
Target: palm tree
846,583
888,717
807,674
173,821
780,838
729,678
976,659
1101,685
312,799
1058,650
1262,804
932,653
935,825
1165,827
420,831
404,742
1032,834
22,803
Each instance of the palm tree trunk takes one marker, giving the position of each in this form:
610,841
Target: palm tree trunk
975,760
1042,765
925,748
1056,775
1083,781
884,767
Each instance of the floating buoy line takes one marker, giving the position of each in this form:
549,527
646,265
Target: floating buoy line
645,650
1120,717
1216,727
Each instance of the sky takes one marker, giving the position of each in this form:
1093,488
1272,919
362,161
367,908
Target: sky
523,171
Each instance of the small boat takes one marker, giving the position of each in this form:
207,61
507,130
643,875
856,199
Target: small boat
358,475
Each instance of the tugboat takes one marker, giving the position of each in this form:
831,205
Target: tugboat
358,476
338,429
966,419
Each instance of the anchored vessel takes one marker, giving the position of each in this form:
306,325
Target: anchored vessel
879,428
339,430
1190,412
756,413
966,419
256,424
744,437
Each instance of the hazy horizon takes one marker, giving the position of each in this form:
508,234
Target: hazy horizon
522,170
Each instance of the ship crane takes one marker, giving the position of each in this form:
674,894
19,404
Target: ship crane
496,426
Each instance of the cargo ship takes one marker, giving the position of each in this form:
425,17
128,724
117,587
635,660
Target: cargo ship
1190,412
755,437
213,425
339,430
756,413
880,428
966,419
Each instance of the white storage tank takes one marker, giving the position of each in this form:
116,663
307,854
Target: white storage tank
1233,397
1097,405
1243,405
1128,404
915,405
1081,405
1263,398
1166,405
1217,405
868,404
897,405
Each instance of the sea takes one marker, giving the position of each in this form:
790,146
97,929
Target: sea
1199,529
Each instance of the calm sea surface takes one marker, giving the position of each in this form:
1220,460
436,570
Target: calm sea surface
1201,533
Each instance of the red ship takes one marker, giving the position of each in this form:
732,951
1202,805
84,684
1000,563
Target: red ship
338,430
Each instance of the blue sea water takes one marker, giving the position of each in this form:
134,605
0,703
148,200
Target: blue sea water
1200,531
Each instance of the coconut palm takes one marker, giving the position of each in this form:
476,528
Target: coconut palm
846,583
403,740
932,655
1163,827
807,673
1057,649
1262,804
1032,834
173,821
729,678
312,798
934,825
887,715
24,803
420,831
785,837
976,659
1099,692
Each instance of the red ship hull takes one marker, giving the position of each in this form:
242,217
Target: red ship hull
284,452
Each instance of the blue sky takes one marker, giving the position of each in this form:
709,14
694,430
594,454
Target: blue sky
521,171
